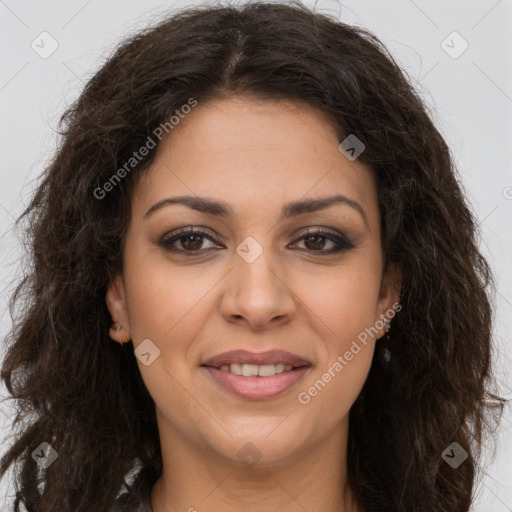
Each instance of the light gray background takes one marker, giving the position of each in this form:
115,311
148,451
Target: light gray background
470,98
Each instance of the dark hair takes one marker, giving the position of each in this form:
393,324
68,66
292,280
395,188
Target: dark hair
429,383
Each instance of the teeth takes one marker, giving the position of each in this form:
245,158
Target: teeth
249,370
267,370
280,368
234,368
253,370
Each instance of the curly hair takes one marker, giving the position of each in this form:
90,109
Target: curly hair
430,382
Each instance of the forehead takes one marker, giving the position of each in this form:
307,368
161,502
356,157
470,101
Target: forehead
244,150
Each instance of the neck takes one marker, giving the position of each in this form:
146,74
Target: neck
193,480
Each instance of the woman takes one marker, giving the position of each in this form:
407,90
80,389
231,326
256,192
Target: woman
256,283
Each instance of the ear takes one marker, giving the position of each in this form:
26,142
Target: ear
115,299
389,296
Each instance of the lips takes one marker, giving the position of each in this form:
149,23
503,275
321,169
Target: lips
257,388
263,384
261,358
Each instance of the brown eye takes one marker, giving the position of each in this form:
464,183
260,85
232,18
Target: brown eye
318,242
186,240
189,241
314,241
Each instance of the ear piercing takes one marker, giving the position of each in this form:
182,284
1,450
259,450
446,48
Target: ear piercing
116,327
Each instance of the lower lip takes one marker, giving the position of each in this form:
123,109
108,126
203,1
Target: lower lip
256,387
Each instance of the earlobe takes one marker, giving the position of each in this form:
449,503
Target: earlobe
116,304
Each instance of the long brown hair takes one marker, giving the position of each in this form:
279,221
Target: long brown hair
430,383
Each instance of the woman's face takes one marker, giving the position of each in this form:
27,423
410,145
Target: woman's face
254,281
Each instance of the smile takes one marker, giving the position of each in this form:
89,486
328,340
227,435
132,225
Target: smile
254,370
256,386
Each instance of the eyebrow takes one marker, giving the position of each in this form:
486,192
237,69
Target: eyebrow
293,209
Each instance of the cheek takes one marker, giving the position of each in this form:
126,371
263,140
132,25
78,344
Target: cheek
345,301
162,299
329,396
345,307
345,359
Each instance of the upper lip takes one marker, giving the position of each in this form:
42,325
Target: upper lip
259,358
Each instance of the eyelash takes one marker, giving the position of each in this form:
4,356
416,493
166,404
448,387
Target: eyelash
342,243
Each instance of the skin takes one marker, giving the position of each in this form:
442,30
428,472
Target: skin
256,156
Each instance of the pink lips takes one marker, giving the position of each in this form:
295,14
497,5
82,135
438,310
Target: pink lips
256,387
268,357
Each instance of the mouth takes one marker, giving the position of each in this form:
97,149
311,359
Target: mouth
256,375
255,370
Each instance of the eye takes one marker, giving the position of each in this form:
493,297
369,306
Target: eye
315,241
191,241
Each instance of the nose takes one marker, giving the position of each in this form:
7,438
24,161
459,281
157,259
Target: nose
257,295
